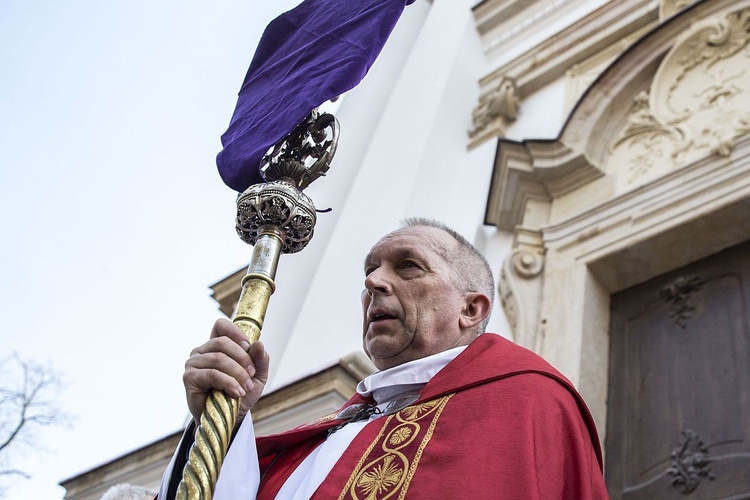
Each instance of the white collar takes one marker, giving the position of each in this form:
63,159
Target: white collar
410,376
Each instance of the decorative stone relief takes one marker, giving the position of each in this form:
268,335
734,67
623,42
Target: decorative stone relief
650,142
580,76
698,102
496,110
520,288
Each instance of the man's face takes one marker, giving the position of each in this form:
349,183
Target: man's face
410,304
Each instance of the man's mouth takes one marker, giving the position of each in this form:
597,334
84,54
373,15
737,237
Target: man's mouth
377,316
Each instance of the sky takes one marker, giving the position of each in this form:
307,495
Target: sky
114,220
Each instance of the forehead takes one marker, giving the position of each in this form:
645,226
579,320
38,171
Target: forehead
419,240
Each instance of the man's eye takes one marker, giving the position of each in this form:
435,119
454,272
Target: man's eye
408,264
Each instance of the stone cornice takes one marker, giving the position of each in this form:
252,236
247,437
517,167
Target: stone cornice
601,30
533,170
713,180
549,60
491,13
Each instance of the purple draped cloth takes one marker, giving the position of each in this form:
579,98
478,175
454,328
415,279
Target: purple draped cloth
313,53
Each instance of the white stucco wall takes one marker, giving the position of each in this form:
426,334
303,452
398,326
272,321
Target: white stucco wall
542,114
403,153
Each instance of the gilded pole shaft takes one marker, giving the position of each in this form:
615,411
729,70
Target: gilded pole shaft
258,284
218,419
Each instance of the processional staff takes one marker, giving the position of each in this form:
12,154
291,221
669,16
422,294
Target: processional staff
277,146
274,217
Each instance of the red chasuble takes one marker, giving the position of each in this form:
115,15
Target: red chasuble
497,422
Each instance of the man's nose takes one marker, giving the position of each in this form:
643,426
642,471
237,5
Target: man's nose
377,281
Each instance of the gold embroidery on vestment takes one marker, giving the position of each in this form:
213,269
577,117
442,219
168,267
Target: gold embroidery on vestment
390,473
400,435
318,421
380,477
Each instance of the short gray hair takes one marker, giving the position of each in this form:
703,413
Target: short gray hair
471,270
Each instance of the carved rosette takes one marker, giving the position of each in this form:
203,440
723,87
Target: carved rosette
280,204
527,263
698,102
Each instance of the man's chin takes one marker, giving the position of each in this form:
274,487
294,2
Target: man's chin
384,355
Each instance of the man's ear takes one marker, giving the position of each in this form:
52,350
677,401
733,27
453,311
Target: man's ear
476,308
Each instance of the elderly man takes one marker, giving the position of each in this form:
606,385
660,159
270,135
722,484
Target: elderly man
452,413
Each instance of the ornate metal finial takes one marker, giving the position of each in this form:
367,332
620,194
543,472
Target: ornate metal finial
290,166
279,204
306,153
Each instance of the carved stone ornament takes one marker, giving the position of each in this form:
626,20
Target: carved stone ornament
527,263
508,299
689,462
496,110
698,102
520,289
679,295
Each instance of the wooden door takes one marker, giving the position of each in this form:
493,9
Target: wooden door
678,422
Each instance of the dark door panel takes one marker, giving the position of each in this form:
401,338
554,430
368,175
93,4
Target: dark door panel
679,397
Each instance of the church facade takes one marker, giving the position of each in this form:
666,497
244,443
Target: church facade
598,153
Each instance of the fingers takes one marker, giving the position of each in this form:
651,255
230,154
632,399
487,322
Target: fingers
224,363
224,369
225,328
258,369
221,353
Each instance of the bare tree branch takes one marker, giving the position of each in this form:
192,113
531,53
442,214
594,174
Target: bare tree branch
14,472
28,401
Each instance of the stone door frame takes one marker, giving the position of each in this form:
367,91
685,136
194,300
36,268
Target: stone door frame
585,226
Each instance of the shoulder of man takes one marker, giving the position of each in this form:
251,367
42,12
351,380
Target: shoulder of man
491,357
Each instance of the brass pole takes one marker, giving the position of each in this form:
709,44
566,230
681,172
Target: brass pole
275,217
218,419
